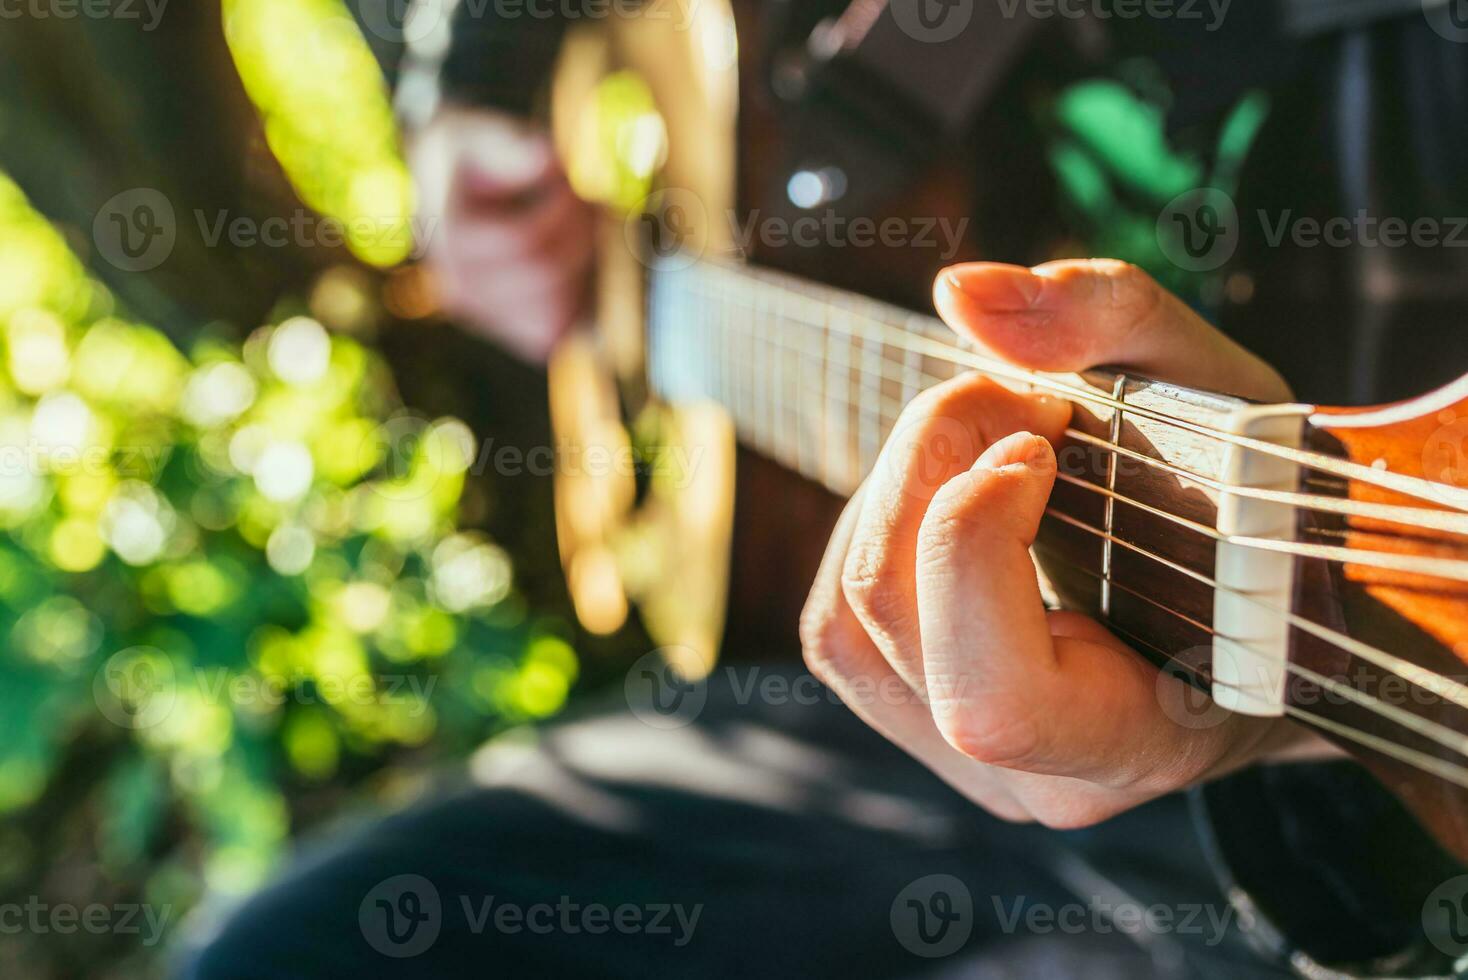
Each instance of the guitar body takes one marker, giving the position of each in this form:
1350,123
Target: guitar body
1239,546
780,520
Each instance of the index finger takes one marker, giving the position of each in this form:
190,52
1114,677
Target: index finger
1077,314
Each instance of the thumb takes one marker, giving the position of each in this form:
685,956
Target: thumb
1077,314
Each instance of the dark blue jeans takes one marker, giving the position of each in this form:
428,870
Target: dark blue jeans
768,833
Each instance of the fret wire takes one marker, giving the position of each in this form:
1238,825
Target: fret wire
872,426
778,400
1432,731
1118,391
1358,556
1150,600
816,350
745,392
1426,679
851,411
758,389
910,375
828,438
754,335
767,380
1391,513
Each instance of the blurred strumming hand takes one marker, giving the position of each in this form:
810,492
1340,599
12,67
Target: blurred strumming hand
508,241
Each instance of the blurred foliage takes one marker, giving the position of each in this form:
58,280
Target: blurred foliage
239,562
1118,168
327,117
232,573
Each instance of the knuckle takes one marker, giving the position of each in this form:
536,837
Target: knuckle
1004,739
822,645
951,399
1135,295
865,583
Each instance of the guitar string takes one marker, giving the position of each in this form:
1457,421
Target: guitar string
1434,731
1410,516
1386,661
1421,760
1435,765
1438,684
1417,517
918,342
1428,763
884,315
1446,568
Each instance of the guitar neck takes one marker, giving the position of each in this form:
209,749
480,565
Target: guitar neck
813,377
816,378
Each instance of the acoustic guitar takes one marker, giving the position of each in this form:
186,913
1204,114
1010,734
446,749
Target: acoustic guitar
1290,560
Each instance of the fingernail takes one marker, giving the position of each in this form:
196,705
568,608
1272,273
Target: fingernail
1010,454
1038,454
996,286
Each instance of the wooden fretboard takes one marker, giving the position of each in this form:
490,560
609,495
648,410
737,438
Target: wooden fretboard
814,378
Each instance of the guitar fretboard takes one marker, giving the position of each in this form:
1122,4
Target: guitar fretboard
813,377
816,379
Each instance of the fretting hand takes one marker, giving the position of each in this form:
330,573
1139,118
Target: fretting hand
928,589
